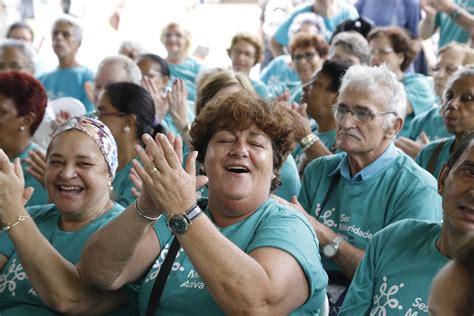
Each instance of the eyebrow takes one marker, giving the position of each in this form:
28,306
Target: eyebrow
56,155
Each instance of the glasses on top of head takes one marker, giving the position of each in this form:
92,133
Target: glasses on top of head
359,113
382,51
97,114
299,57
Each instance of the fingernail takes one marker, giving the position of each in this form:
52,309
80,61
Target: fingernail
138,148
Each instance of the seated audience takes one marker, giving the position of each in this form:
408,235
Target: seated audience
349,47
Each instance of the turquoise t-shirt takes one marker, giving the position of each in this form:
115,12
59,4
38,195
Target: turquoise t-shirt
431,122
346,12
68,82
279,76
271,225
187,71
291,183
40,196
261,89
420,92
424,156
395,276
122,192
327,138
449,30
297,94
17,297
359,209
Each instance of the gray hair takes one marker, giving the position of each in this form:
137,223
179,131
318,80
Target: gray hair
353,43
77,28
378,81
25,49
466,71
134,74
305,19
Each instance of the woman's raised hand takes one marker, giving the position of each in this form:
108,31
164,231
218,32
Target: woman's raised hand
177,99
37,164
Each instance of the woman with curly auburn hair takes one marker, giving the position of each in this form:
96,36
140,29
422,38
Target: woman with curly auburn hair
243,253
392,46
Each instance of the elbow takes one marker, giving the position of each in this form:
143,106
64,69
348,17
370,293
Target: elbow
64,303
96,278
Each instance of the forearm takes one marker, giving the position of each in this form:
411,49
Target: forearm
318,149
56,280
465,19
115,255
427,26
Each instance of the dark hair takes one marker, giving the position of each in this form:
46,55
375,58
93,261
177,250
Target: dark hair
238,111
27,94
462,146
334,70
131,98
164,67
20,25
400,40
304,40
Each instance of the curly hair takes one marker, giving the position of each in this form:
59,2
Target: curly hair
239,111
252,40
27,94
304,40
400,40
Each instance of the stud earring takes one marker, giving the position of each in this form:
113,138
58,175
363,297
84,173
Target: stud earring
111,188
22,128
126,129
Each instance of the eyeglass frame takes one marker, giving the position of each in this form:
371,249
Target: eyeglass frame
97,114
382,51
366,117
307,56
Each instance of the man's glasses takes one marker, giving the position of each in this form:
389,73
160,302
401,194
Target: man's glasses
359,113
297,58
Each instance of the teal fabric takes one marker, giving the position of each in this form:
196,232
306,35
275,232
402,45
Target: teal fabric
187,71
271,225
40,195
420,92
17,297
122,186
291,183
346,12
68,82
395,276
327,138
424,156
431,122
279,76
297,94
359,209
449,30
261,89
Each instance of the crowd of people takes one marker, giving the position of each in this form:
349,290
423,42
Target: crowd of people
338,182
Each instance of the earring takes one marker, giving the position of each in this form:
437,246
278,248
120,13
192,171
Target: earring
126,129
22,128
111,188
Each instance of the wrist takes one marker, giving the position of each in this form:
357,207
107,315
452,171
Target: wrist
145,214
308,141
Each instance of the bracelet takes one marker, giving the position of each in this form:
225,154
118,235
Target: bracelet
137,209
308,141
8,227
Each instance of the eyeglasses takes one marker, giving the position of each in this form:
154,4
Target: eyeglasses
97,114
382,51
359,113
297,58
238,52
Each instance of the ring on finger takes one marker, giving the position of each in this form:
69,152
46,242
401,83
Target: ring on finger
153,170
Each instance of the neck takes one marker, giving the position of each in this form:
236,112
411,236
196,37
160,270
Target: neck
357,162
400,74
127,151
73,223
68,62
325,124
230,211
176,58
324,7
19,146
448,240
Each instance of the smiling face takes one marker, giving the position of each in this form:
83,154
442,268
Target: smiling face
77,176
152,70
381,52
243,56
306,61
175,40
458,106
239,165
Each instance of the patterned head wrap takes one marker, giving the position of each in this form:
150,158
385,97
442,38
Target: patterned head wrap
99,132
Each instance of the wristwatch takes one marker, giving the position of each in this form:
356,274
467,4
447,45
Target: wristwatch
179,223
330,249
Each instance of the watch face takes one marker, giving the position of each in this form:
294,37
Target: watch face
178,224
329,250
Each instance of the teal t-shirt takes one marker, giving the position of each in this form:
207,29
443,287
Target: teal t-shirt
358,209
431,122
279,76
449,30
40,195
17,297
297,94
271,225
424,156
420,92
395,276
291,183
122,192
68,82
187,71
261,89
327,138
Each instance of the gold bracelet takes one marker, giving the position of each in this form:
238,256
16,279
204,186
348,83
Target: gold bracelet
308,141
137,209
7,227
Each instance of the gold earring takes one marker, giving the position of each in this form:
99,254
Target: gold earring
22,128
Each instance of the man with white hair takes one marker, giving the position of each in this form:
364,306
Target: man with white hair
350,196
70,78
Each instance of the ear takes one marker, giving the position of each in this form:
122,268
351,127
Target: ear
391,132
130,121
228,52
401,58
28,119
164,80
442,178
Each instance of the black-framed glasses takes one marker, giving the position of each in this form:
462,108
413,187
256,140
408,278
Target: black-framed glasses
297,58
382,51
97,114
359,113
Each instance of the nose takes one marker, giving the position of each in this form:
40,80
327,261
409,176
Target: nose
239,149
68,172
346,120
374,59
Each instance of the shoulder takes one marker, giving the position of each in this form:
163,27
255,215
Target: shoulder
406,230
326,163
430,147
41,213
347,9
412,174
414,78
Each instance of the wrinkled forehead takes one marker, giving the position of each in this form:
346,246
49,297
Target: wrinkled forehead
370,97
